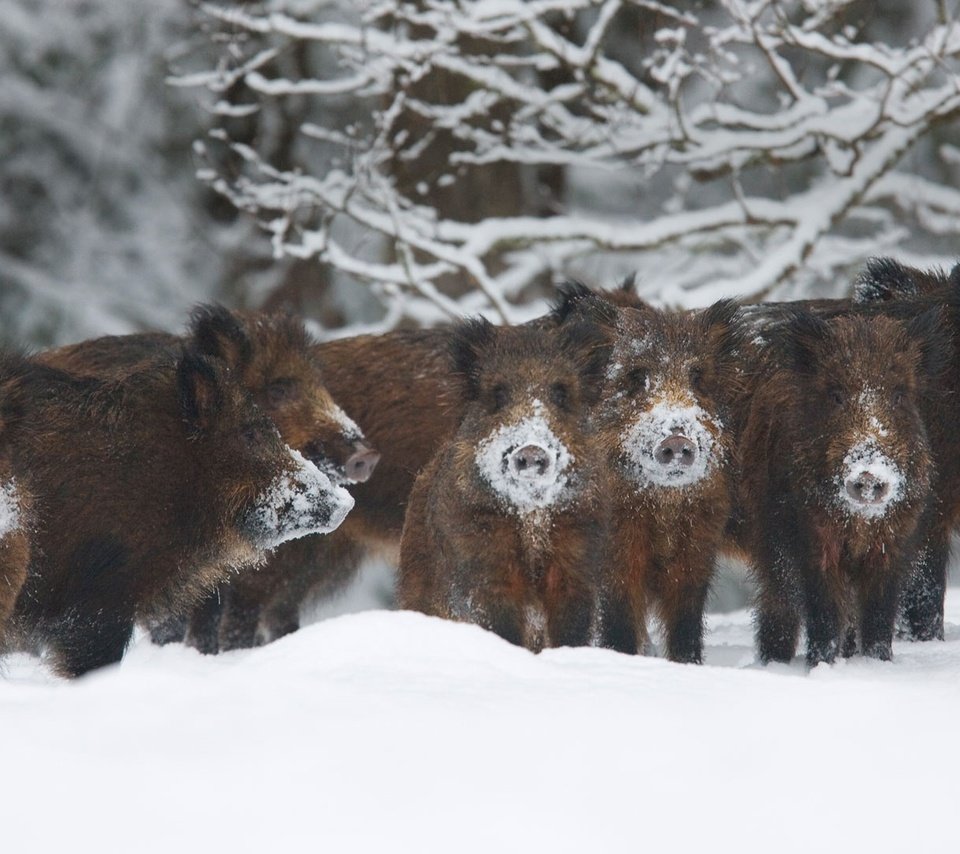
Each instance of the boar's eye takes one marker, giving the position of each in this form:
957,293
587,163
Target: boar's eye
281,391
500,396
837,397
560,395
899,397
251,434
637,379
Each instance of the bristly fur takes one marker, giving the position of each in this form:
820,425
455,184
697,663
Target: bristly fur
936,343
198,386
575,298
884,279
723,317
469,339
217,331
590,349
799,338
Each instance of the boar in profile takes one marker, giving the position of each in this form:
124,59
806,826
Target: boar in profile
148,488
400,388
507,525
837,470
276,361
665,421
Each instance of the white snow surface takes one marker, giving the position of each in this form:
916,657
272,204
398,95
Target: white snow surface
640,440
396,732
866,456
525,492
302,502
9,508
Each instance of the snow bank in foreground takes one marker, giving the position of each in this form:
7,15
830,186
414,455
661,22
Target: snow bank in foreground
394,732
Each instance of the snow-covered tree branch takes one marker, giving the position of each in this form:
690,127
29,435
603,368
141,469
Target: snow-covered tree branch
735,148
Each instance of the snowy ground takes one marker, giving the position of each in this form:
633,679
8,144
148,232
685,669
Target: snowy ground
394,732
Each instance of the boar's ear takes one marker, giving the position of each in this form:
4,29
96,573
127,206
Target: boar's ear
470,338
802,337
590,346
722,326
218,332
884,279
629,284
200,388
930,331
576,300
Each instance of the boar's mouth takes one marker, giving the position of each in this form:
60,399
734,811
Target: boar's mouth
670,446
526,465
299,502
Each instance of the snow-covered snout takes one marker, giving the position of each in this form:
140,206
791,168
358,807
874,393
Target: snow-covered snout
301,501
670,444
861,382
666,389
529,393
525,462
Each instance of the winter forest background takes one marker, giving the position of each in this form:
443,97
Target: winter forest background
373,164
377,163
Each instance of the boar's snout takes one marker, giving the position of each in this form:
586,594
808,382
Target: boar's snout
361,463
866,488
531,461
676,450
301,502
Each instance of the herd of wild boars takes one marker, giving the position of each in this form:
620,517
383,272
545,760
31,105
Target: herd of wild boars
564,482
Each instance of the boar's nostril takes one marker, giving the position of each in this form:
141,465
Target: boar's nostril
867,488
530,460
361,464
676,450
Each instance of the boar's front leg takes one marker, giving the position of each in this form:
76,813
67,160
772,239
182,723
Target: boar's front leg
878,606
240,616
97,625
822,615
617,626
169,630
926,584
204,626
681,613
779,604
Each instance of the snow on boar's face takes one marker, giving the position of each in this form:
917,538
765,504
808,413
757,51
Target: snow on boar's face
662,408
276,361
14,543
528,391
272,494
859,383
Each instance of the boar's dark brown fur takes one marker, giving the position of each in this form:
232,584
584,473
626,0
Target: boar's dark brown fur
148,488
275,360
398,386
507,524
665,423
836,473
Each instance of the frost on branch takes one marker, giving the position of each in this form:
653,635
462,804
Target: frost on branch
735,148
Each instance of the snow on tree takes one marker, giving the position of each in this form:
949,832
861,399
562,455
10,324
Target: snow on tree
103,226
748,148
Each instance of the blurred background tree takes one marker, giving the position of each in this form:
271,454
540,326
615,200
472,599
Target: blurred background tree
378,162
